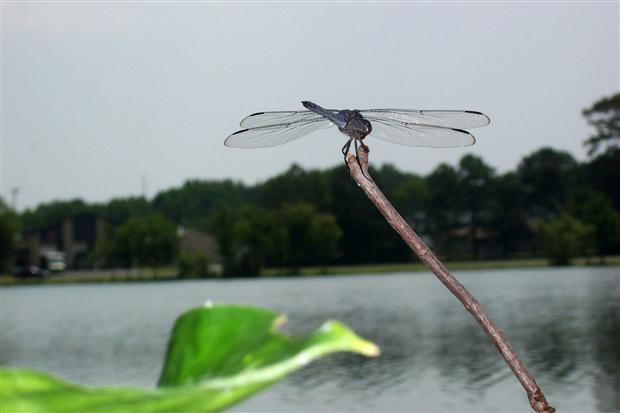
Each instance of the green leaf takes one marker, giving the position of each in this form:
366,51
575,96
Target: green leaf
216,357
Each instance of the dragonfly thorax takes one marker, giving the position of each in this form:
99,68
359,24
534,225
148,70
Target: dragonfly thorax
356,126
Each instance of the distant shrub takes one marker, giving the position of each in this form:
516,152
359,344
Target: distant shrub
194,265
565,237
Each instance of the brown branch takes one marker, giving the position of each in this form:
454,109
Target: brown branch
535,395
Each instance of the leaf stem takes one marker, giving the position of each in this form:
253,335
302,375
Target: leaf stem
362,178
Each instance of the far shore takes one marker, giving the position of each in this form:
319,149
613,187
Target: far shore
169,273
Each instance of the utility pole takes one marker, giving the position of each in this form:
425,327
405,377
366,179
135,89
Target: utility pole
144,187
14,193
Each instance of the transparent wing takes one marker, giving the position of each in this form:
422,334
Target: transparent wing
260,119
461,119
273,135
412,134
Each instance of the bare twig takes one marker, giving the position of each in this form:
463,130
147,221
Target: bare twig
362,177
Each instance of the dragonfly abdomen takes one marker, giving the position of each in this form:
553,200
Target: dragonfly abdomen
337,119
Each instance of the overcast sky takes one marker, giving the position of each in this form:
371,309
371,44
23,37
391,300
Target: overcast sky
97,95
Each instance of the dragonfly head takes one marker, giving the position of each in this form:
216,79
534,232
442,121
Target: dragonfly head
367,127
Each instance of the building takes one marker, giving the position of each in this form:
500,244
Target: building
192,241
74,238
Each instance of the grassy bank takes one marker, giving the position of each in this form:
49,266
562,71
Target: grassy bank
95,276
169,274
452,265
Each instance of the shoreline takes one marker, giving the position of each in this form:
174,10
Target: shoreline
169,274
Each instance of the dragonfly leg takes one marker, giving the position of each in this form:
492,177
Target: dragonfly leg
357,157
345,150
346,147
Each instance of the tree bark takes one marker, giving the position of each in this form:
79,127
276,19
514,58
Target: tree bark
359,172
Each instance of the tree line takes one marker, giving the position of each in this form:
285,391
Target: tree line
550,205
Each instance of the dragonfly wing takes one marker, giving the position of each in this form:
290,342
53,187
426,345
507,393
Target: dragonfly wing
260,119
412,134
273,135
460,119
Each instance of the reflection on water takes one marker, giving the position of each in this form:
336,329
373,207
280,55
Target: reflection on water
564,323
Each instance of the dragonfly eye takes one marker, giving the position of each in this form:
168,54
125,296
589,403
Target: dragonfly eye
368,126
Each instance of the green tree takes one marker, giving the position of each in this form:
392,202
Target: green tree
193,265
389,178
220,223
295,185
411,195
602,175
52,213
296,221
508,214
549,180
597,210
408,192
325,234
565,237
149,241
474,195
253,235
308,237
196,199
120,210
604,116
366,237
443,208
246,237
9,228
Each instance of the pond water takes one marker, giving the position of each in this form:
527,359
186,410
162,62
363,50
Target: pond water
564,323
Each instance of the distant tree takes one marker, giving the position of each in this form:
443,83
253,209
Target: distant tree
604,116
110,251
295,185
246,237
196,199
193,265
548,178
52,213
308,237
565,237
508,214
120,210
474,195
411,195
149,241
597,210
9,227
366,237
220,223
325,234
271,223
296,221
408,192
602,174
443,211
253,235
389,178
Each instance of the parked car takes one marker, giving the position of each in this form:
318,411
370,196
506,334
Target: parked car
53,261
30,271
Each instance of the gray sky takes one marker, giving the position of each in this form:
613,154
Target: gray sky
96,95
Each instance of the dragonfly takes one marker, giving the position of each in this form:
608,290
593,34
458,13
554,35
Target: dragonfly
410,127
